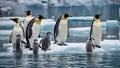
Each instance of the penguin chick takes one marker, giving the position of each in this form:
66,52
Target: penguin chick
35,46
18,45
46,42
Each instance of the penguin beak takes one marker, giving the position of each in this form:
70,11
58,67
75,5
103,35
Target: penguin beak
10,19
49,33
44,18
69,16
14,19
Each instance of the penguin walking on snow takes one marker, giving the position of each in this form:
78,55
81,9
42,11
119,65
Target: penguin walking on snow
46,42
17,30
97,31
33,30
27,19
61,30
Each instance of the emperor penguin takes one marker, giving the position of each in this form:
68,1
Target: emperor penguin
17,30
46,42
27,19
33,30
61,29
97,31
35,46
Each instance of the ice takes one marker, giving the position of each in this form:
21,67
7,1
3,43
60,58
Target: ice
81,18
106,46
112,27
5,32
83,31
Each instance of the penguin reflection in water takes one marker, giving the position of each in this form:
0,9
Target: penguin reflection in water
97,31
33,31
16,34
61,30
46,42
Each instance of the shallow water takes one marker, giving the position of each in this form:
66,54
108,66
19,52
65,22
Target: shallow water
109,59
61,60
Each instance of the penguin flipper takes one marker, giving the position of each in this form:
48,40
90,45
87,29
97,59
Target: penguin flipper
102,36
29,32
29,28
56,27
10,38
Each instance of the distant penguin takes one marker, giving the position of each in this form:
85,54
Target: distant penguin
46,42
33,30
18,45
97,31
17,30
35,46
27,19
61,30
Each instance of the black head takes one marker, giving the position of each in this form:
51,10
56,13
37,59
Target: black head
40,17
18,36
14,19
97,16
35,40
66,15
28,12
49,33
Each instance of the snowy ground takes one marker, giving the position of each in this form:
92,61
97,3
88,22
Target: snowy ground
106,46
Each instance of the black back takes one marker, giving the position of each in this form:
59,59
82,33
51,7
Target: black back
91,29
29,31
56,28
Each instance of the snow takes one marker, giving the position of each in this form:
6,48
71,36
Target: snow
112,21
106,46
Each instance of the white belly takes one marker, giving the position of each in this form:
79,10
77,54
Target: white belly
35,33
97,33
16,31
26,21
62,31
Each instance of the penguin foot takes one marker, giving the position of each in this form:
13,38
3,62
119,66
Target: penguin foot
31,49
98,46
27,46
64,44
54,42
13,51
60,44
